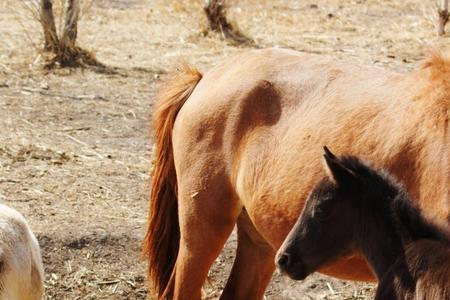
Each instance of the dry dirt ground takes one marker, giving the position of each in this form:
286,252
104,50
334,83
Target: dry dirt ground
75,145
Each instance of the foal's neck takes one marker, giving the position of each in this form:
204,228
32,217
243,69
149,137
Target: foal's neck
387,218
386,225
379,239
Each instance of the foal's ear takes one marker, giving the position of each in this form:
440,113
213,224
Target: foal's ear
328,153
338,172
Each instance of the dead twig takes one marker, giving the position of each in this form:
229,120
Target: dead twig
76,129
110,282
4,180
79,97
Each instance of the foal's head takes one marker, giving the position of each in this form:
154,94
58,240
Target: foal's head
333,215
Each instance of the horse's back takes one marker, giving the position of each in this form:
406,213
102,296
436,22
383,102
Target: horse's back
279,92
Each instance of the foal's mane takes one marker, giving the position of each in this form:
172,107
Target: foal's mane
392,199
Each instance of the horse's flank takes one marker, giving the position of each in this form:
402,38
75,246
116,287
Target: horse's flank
398,121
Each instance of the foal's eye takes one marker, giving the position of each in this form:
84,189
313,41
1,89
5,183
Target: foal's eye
322,212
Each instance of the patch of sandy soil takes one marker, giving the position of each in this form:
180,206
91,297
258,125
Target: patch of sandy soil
75,144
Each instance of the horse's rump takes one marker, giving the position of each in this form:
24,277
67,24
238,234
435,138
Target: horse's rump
161,242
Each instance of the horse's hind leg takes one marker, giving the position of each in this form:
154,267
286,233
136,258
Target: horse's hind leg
207,216
253,266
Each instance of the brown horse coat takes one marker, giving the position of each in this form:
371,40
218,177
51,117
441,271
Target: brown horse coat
245,147
427,269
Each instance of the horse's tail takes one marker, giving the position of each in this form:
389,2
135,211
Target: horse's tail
162,239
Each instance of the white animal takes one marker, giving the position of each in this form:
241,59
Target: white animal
21,269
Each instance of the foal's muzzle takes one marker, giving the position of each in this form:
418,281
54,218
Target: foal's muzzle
290,266
283,261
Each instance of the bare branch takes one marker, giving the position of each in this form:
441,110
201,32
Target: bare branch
69,35
48,25
443,17
215,11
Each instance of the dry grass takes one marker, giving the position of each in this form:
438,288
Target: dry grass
75,148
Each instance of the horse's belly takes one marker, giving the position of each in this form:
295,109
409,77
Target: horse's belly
274,227
351,267
274,195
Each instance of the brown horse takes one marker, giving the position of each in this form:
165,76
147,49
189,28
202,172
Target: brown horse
360,207
241,144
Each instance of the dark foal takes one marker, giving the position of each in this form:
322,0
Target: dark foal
358,207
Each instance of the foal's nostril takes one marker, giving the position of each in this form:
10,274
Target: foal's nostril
283,260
